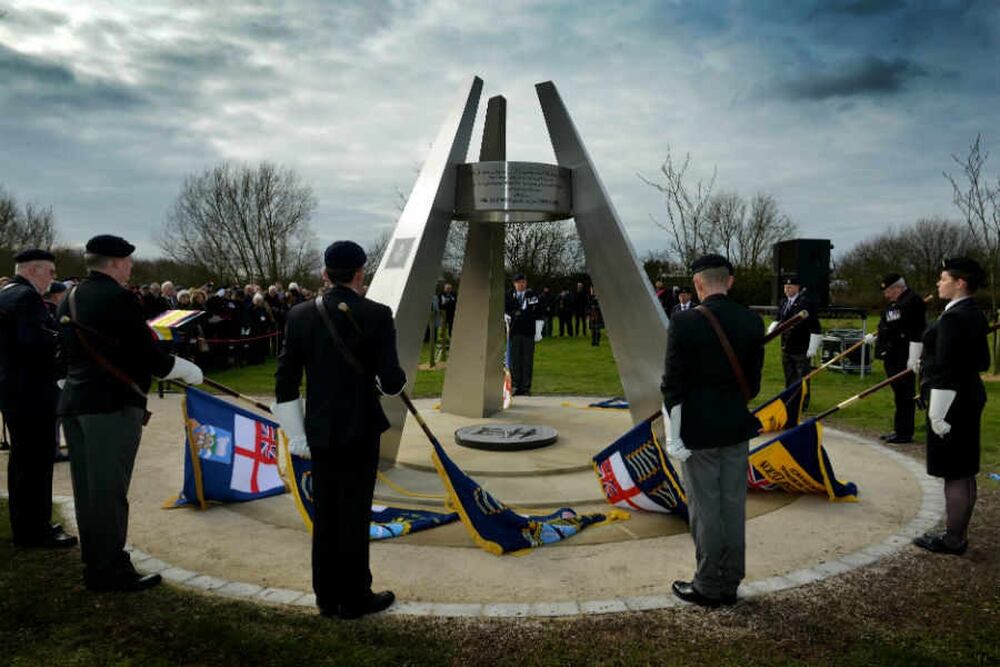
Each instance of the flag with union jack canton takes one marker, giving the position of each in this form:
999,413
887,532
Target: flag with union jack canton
635,474
231,454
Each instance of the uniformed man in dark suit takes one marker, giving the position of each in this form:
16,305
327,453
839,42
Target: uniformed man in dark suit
898,344
28,396
341,424
111,359
683,301
524,310
708,426
800,343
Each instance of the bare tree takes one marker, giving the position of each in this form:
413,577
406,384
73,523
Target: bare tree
32,226
375,250
764,226
244,223
687,209
543,251
727,218
978,198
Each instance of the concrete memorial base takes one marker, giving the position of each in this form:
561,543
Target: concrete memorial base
260,550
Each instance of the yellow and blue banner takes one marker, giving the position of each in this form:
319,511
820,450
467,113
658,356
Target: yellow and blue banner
636,474
386,522
496,527
163,325
231,453
797,462
784,410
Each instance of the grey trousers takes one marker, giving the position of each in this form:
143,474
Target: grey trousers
102,451
522,361
716,485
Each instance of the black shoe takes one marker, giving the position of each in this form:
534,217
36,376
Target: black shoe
56,538
729,599
899,439
936,544
375,603
123,583
686,591
886,436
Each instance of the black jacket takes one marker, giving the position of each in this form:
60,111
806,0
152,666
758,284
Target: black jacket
523,313
699,376
125,340
341,406
903,322
27,351
796,340
956,350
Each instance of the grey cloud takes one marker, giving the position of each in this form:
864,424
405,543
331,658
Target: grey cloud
871,76
862,7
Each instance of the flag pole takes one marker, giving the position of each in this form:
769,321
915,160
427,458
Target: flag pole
790,323
231,392
833,360
867,392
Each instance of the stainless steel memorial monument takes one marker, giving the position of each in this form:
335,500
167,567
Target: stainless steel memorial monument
490,194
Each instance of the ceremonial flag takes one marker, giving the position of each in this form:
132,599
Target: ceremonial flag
163,325
635,474
796,461
784,410
496,527
386,522
616,403
507,392
231,453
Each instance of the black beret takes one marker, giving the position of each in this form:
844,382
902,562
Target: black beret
889,280
34,255
344,255
55,287
711,262
965,268
109,246
518,276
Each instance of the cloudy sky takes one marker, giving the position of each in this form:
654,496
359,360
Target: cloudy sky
846,110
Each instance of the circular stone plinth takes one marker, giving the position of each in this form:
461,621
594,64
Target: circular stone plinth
506,437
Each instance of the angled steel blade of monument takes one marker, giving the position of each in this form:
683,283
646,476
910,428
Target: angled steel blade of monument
489,194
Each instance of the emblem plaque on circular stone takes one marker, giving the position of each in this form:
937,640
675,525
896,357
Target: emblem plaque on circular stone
506,437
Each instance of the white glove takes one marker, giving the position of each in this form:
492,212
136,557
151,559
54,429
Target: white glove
506,320
941,400
186,371
293,423
815,340
61,383
870,338
913,363
771,327
672,427
538,330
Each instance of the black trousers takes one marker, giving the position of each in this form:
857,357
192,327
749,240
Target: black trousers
565,324
903,391
343,486
580,322
795,367
522,361
29,475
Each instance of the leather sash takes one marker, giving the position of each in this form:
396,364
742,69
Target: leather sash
728,349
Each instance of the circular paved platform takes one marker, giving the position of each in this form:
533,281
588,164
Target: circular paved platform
260,550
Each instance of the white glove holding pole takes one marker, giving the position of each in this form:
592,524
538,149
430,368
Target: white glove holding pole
672,427
771,327
293,423
185,371
538,330
870,338
913,363
815,340
941,400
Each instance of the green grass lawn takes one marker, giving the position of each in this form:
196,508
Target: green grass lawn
572,366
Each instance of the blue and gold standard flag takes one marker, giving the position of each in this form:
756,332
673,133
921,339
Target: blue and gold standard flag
784,410
230,454
796,461
497,528
636,474
386,521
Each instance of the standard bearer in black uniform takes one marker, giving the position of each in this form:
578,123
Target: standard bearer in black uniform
346,369
898,344
28,396
708,426
800,343
955,352
111,359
